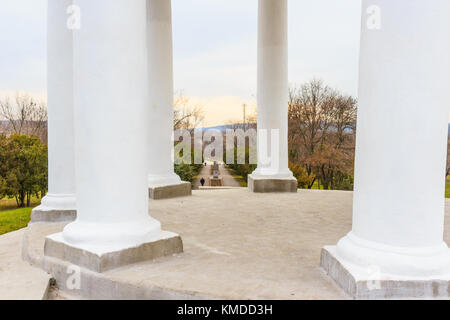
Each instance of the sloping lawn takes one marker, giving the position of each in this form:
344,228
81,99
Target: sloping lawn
13,218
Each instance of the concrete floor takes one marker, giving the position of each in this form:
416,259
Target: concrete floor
238,245
19,280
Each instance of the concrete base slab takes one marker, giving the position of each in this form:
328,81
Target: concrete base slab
371,285
167,243
260,185
41,215
183,189
81,284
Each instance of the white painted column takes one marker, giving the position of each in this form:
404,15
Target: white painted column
111,121
273,90
404,98
160,122
61,172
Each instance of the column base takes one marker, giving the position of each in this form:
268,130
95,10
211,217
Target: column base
183,189
369,283
55,208
39,215
165,244
259,184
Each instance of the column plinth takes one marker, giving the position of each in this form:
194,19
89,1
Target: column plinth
55,208
113,226
396,248
272,174
60,202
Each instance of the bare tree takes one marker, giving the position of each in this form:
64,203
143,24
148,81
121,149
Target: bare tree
24,115
186,115
310,117
321,132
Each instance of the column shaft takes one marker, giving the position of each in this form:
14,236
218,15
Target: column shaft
273,84
111,120
161,105
272,173
402,138
60,199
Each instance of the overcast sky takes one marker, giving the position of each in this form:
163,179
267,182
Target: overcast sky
214,49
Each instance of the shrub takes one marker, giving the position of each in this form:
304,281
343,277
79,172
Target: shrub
23,168
304,180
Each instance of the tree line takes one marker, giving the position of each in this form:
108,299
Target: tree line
322,131
321,137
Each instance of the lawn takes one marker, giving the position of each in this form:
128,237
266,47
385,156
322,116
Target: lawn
447,189
13,218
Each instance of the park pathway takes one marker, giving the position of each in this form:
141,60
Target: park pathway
204,173
228,179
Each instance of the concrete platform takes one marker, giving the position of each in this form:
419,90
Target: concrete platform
40,215
237,245
183,189
272,185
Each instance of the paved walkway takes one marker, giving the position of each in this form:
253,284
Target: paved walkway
204,173
228,179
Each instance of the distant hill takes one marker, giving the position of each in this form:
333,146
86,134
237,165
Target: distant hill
227,126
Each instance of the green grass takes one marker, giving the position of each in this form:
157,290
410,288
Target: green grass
241,180
13,218
447,189
316,186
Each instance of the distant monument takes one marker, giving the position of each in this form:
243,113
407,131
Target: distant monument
216,180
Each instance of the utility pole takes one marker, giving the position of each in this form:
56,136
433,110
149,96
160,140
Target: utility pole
245,115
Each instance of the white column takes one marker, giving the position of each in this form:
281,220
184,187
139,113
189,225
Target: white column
272,90
111,121
404,98
61,172
160,121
